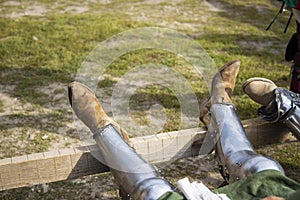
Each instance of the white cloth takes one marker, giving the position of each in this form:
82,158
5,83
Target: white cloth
198,191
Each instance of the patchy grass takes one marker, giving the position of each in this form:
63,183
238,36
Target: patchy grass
288,155
57,43
51,48
1,106
25,142
41,51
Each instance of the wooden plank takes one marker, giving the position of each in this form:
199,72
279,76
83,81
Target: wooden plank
261,132
76,162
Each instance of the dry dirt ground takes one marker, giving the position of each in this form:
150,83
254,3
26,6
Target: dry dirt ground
40,120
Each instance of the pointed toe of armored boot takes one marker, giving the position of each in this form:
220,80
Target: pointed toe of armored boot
229,73
88,109
223,83
260,90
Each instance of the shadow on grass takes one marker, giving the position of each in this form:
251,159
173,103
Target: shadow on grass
261,14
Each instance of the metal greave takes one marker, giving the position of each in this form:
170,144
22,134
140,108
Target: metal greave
292,122
284,108
138,178
233,148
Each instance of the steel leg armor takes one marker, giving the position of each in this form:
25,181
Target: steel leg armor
284,108
138,178
233,148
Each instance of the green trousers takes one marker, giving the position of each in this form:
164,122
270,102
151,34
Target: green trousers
255,187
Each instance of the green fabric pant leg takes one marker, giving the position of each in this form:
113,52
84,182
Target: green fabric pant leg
172,196
260,185
294,196
254,187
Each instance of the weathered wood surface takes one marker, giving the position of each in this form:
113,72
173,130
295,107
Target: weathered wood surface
72,163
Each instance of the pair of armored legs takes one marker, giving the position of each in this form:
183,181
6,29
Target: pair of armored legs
235,153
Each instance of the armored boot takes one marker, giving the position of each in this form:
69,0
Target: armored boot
134,175
228,74
234,151
279,105
260,90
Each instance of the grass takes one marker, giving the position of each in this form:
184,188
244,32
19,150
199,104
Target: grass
58,43
52,50
287,155
25,142
39,51
1,106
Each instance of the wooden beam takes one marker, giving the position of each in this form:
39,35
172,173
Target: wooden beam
72,163
262,133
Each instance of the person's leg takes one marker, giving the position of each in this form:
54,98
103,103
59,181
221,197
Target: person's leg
233,149
278,104
135,176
